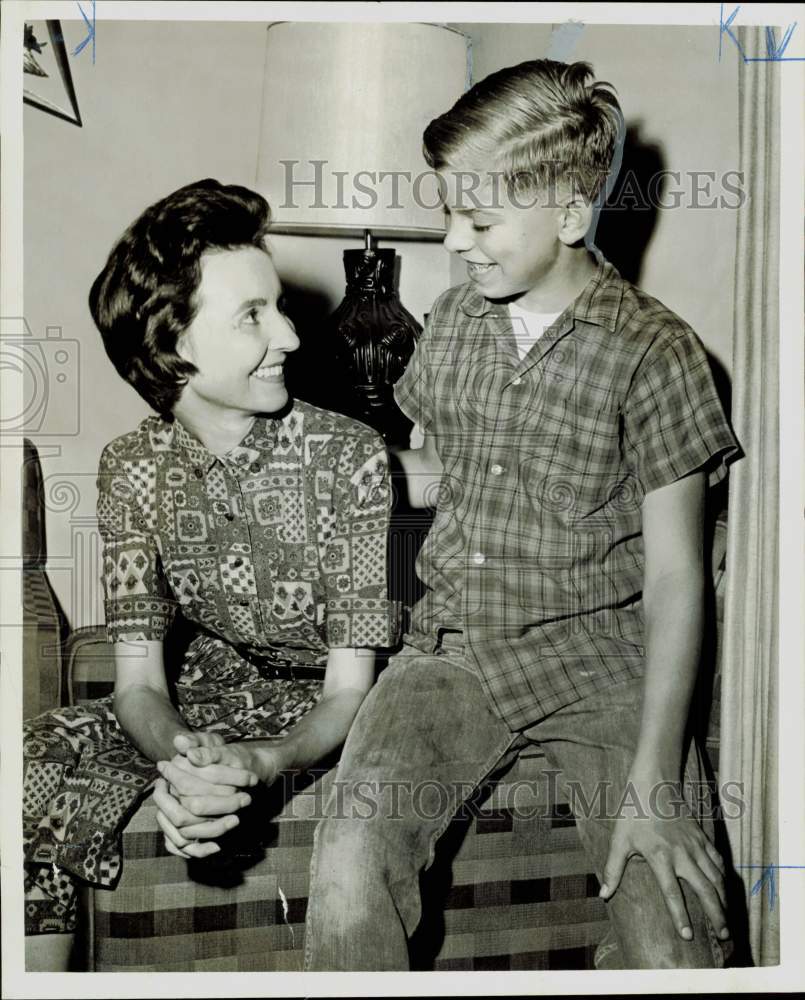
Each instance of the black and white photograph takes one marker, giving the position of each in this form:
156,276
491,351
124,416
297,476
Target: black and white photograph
401,435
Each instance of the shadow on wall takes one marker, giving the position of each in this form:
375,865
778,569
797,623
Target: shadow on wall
629,217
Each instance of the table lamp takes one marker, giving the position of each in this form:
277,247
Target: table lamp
340,154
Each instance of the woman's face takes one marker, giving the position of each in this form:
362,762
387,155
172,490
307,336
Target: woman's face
240,336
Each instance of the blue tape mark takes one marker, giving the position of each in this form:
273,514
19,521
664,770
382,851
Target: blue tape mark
90,32
564,39
768,878
775,52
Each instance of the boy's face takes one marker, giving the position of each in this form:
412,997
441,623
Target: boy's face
512,244
239,337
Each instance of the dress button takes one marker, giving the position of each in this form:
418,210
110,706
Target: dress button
479,558
229,516
517,381
254,467
198,473
496,470
237,563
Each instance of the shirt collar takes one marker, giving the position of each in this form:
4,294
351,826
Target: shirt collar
251,454
597,303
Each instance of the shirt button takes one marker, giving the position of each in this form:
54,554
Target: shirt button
229,516
517,381
496,470
479,558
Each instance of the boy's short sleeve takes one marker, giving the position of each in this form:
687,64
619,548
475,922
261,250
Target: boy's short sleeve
673,421
359,613
138,602
413,392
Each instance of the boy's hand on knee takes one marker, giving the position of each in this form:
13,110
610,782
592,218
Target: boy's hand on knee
675,847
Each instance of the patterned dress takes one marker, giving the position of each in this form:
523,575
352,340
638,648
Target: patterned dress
275,552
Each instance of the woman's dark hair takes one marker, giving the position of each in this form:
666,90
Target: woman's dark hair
144,298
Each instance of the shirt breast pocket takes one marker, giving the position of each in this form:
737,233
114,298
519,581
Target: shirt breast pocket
578,468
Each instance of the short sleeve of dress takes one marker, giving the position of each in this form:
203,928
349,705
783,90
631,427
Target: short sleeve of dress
138,602
359,613
673,421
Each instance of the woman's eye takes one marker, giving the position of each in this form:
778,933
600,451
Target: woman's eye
252,317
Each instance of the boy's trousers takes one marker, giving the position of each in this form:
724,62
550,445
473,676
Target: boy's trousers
423,740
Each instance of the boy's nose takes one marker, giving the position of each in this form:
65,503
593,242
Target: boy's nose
458,237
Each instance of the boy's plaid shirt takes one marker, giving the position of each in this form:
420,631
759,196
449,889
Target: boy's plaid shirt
536,548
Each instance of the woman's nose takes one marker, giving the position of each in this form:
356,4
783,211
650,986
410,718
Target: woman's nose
283,335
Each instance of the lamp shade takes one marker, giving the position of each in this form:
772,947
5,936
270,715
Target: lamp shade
344,107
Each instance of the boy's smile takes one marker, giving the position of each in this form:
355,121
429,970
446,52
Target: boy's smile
515,247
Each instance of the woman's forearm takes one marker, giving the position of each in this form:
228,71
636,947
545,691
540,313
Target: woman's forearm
149,720
317,734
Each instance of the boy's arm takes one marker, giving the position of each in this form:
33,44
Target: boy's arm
423,472
673,599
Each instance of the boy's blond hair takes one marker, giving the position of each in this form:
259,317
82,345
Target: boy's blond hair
535,124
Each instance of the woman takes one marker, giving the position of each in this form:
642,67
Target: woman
262,520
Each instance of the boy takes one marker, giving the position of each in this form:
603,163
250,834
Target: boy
570,425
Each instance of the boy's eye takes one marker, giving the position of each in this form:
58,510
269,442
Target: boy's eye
480,229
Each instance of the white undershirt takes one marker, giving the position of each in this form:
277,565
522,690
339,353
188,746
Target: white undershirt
528,326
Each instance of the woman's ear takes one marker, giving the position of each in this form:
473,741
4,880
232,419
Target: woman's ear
575,220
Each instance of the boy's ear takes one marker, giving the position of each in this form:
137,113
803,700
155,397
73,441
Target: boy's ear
575,219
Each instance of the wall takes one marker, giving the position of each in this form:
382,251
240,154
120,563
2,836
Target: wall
683,106
165,103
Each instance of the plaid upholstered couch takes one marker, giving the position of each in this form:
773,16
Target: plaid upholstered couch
510,888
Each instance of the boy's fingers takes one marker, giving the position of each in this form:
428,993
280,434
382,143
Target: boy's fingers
613,869
713,876
711,900
715,856
674,900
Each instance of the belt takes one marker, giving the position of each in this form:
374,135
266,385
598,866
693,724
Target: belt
448,638
277,667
